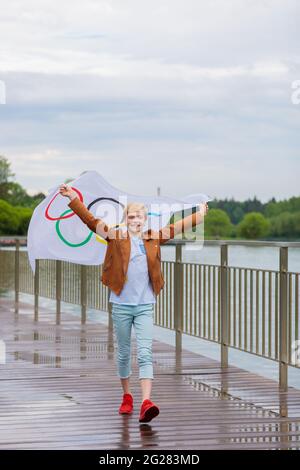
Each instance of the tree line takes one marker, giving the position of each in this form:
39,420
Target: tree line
226,219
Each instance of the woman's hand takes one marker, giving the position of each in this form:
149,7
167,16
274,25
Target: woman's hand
203,208
67,191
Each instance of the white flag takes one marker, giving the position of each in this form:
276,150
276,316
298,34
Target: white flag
56,232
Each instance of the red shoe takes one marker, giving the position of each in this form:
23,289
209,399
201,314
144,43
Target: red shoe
148,411
127,404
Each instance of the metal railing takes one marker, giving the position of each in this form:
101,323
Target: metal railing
252,310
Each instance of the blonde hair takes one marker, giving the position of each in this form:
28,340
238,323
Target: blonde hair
134,206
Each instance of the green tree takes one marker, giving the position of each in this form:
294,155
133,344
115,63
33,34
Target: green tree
274,208
253,226
5,171
253,205
9,219
17,195
12,192
285,225
36,199
217,224
24,215
5,176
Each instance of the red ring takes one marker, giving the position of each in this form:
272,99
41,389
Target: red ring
66,216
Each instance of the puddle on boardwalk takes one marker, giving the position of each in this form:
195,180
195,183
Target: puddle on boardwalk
38,336
61,348
56,360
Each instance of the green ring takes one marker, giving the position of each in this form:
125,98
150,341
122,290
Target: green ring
73,245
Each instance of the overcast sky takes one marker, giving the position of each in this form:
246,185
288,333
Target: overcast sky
189,95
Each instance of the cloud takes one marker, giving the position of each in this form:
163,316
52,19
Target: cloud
152,88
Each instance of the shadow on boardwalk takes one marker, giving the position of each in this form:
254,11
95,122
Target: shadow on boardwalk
59,390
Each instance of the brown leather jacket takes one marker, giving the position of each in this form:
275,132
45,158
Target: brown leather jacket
118,246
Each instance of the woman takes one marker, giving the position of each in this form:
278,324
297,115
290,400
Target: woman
132,270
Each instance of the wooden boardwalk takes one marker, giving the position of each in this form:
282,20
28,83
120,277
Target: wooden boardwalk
59,390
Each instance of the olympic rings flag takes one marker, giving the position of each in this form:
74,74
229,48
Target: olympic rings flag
56,232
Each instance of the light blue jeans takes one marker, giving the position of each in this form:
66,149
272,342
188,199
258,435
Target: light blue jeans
141,317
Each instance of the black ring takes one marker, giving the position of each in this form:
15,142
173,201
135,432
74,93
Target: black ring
105,199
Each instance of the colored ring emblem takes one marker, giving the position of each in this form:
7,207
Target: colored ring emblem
63,216
73,245
66,216
105,199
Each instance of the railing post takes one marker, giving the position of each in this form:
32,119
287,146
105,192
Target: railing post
110,346
109,310
17,275
224,306
283,318
36,289
58,291
83,293
178,298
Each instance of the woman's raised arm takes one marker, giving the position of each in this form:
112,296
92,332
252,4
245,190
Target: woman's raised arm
170,231
97,225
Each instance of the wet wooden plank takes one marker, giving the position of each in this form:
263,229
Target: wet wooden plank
59,390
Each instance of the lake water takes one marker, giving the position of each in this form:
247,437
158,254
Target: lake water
239,256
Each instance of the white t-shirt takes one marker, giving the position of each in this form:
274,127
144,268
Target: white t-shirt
137,288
